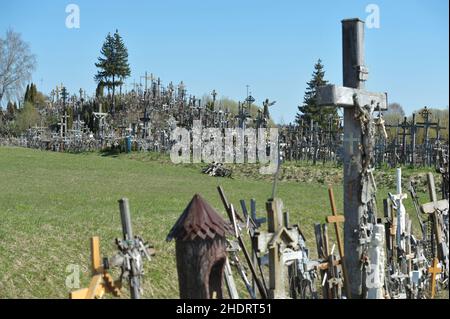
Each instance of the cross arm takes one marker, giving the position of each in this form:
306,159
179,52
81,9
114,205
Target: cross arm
333,95
430,208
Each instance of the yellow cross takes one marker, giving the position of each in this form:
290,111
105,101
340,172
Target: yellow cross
434,270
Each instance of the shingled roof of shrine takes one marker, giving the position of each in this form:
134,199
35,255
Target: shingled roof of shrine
198,219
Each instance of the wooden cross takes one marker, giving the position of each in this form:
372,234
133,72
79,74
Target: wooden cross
233,219
438,129
243,114
405,125
427,124
354,77
413,131
63,125
145,120
434,270
101,116
400,210
101,282
214,94
274,241
336,219
146,77
434,208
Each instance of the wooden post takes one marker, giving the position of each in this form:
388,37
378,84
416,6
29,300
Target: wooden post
125,218
326,251
127,233
413,139
96,264
232,216
353,56
229,280
433,208
275,223
336,219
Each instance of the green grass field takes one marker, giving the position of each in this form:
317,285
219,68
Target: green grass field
52,203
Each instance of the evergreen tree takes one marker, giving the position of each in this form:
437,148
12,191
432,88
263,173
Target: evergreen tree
309,110
122,66
33,93
27,94
105,62
113,64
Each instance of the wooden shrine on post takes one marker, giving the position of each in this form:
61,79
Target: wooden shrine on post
201,250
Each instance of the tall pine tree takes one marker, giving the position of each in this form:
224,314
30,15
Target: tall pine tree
27,94
113,64
31,93
309,110
122,66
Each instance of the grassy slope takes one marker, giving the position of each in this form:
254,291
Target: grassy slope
52,203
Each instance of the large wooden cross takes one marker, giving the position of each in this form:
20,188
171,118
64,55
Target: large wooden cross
427,124
354,75
435,207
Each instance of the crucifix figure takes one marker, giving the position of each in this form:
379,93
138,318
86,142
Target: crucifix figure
101,117
359,105
243,114
266,105
213,94
78,125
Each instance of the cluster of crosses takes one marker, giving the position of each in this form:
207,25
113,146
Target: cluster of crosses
146,115
376,257
403,149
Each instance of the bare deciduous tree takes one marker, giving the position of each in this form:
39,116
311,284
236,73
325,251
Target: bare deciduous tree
16,65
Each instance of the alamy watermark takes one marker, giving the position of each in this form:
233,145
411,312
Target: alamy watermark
373,19
73,279
73,17
229,145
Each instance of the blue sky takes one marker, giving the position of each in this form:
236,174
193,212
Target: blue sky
225,45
